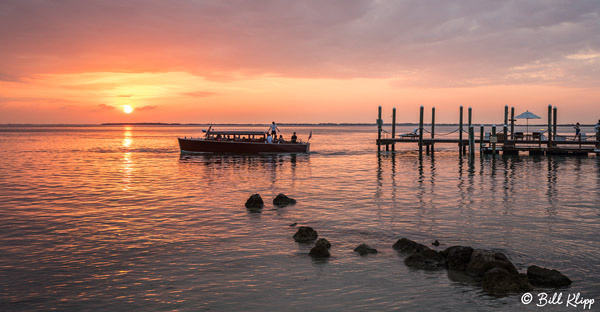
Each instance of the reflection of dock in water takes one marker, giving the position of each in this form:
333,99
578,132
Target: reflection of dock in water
501,139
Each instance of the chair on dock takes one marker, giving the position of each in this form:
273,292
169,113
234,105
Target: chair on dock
519,136
414,133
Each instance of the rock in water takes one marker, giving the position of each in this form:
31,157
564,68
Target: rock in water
282,201
255,203
407,245
457,257
546,278
364,249
323,242
305,234
293,224
319,251
498,281
483,260
425,260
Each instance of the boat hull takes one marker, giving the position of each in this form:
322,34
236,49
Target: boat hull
240,147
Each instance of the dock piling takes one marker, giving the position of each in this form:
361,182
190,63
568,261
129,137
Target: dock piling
379,124
549,126
505,136
421,130
481,136
471,141
555,118
512,123
432,127
393,127
460,131
493,139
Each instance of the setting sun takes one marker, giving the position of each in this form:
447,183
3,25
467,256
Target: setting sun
127,109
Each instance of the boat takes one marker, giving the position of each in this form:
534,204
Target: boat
239,142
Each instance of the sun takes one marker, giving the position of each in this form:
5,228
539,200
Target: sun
127,109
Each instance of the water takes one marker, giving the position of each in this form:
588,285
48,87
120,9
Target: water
113,218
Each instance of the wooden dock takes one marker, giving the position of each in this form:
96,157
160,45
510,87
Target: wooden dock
506,141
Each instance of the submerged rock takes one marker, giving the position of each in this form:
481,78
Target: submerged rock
499,281
293,224
436,243
255,203
319,251
305,234
483,260
323,242
546,277
457,257
406,245
281,201
425,260
364,249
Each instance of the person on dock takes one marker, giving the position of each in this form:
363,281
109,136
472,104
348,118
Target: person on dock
577,132
596,128
274,129
295,138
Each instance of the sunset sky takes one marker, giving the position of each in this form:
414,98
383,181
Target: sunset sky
73,61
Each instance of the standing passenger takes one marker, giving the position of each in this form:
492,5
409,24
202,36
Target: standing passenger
274,129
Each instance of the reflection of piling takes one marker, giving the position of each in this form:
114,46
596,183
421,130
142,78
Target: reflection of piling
394,127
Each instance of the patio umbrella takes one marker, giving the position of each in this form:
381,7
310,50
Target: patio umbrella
528,115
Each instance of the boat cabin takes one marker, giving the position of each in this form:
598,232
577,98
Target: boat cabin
252,136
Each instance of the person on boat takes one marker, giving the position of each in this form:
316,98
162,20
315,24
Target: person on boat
577,132
274,129
294,138
280,139
269,138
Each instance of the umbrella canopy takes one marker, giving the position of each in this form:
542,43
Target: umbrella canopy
528,115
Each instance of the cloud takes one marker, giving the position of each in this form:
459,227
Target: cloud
200,93
146,108
105,107
443,43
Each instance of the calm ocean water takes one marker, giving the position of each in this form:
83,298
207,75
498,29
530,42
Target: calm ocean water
114,218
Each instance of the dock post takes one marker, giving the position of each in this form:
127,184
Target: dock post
554,124
432,127
471,141
512,123
481,136
549,127
505,136
597,139
421,130
379,124
394,128
493,139
460,130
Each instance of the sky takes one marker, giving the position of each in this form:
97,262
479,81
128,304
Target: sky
72,61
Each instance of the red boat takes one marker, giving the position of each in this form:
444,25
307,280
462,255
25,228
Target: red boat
239,142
